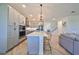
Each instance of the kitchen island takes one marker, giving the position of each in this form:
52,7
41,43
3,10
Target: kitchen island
35,42
70,41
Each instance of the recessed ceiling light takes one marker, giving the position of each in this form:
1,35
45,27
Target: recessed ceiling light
23,6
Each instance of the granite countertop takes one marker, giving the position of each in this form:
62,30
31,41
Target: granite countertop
38,33
72,36
31,29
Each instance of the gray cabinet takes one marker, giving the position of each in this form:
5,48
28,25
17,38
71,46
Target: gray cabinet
70,43
9,27
22,20
3,27
76,47
13,28
33,45
67,43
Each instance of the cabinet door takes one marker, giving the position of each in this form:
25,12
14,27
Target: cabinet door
67,44
76,47
13,28
11,16
16,28
22,20
33,45
3,27
10,29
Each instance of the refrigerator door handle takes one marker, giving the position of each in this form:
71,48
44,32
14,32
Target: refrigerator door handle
14,26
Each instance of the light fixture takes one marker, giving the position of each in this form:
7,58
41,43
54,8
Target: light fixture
41,23
39,16
30,15
33,19
41,13
23,6
53,19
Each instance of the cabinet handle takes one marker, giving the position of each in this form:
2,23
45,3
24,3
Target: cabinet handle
14,26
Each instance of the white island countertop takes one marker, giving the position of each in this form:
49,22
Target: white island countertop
38,33
30,29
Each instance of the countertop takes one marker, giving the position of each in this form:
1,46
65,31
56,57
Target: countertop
38,33
71,35
31,29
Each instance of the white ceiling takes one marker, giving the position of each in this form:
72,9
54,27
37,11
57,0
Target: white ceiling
51,10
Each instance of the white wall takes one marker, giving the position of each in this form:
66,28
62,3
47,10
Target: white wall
72,24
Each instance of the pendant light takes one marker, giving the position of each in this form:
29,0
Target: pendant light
41,13
41,19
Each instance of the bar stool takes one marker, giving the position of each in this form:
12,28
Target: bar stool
47,46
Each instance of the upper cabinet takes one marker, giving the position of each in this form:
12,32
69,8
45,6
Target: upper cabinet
21,20
16,15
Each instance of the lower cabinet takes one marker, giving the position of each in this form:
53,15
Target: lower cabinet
33,45
67,43
12,39
70,44
76,47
